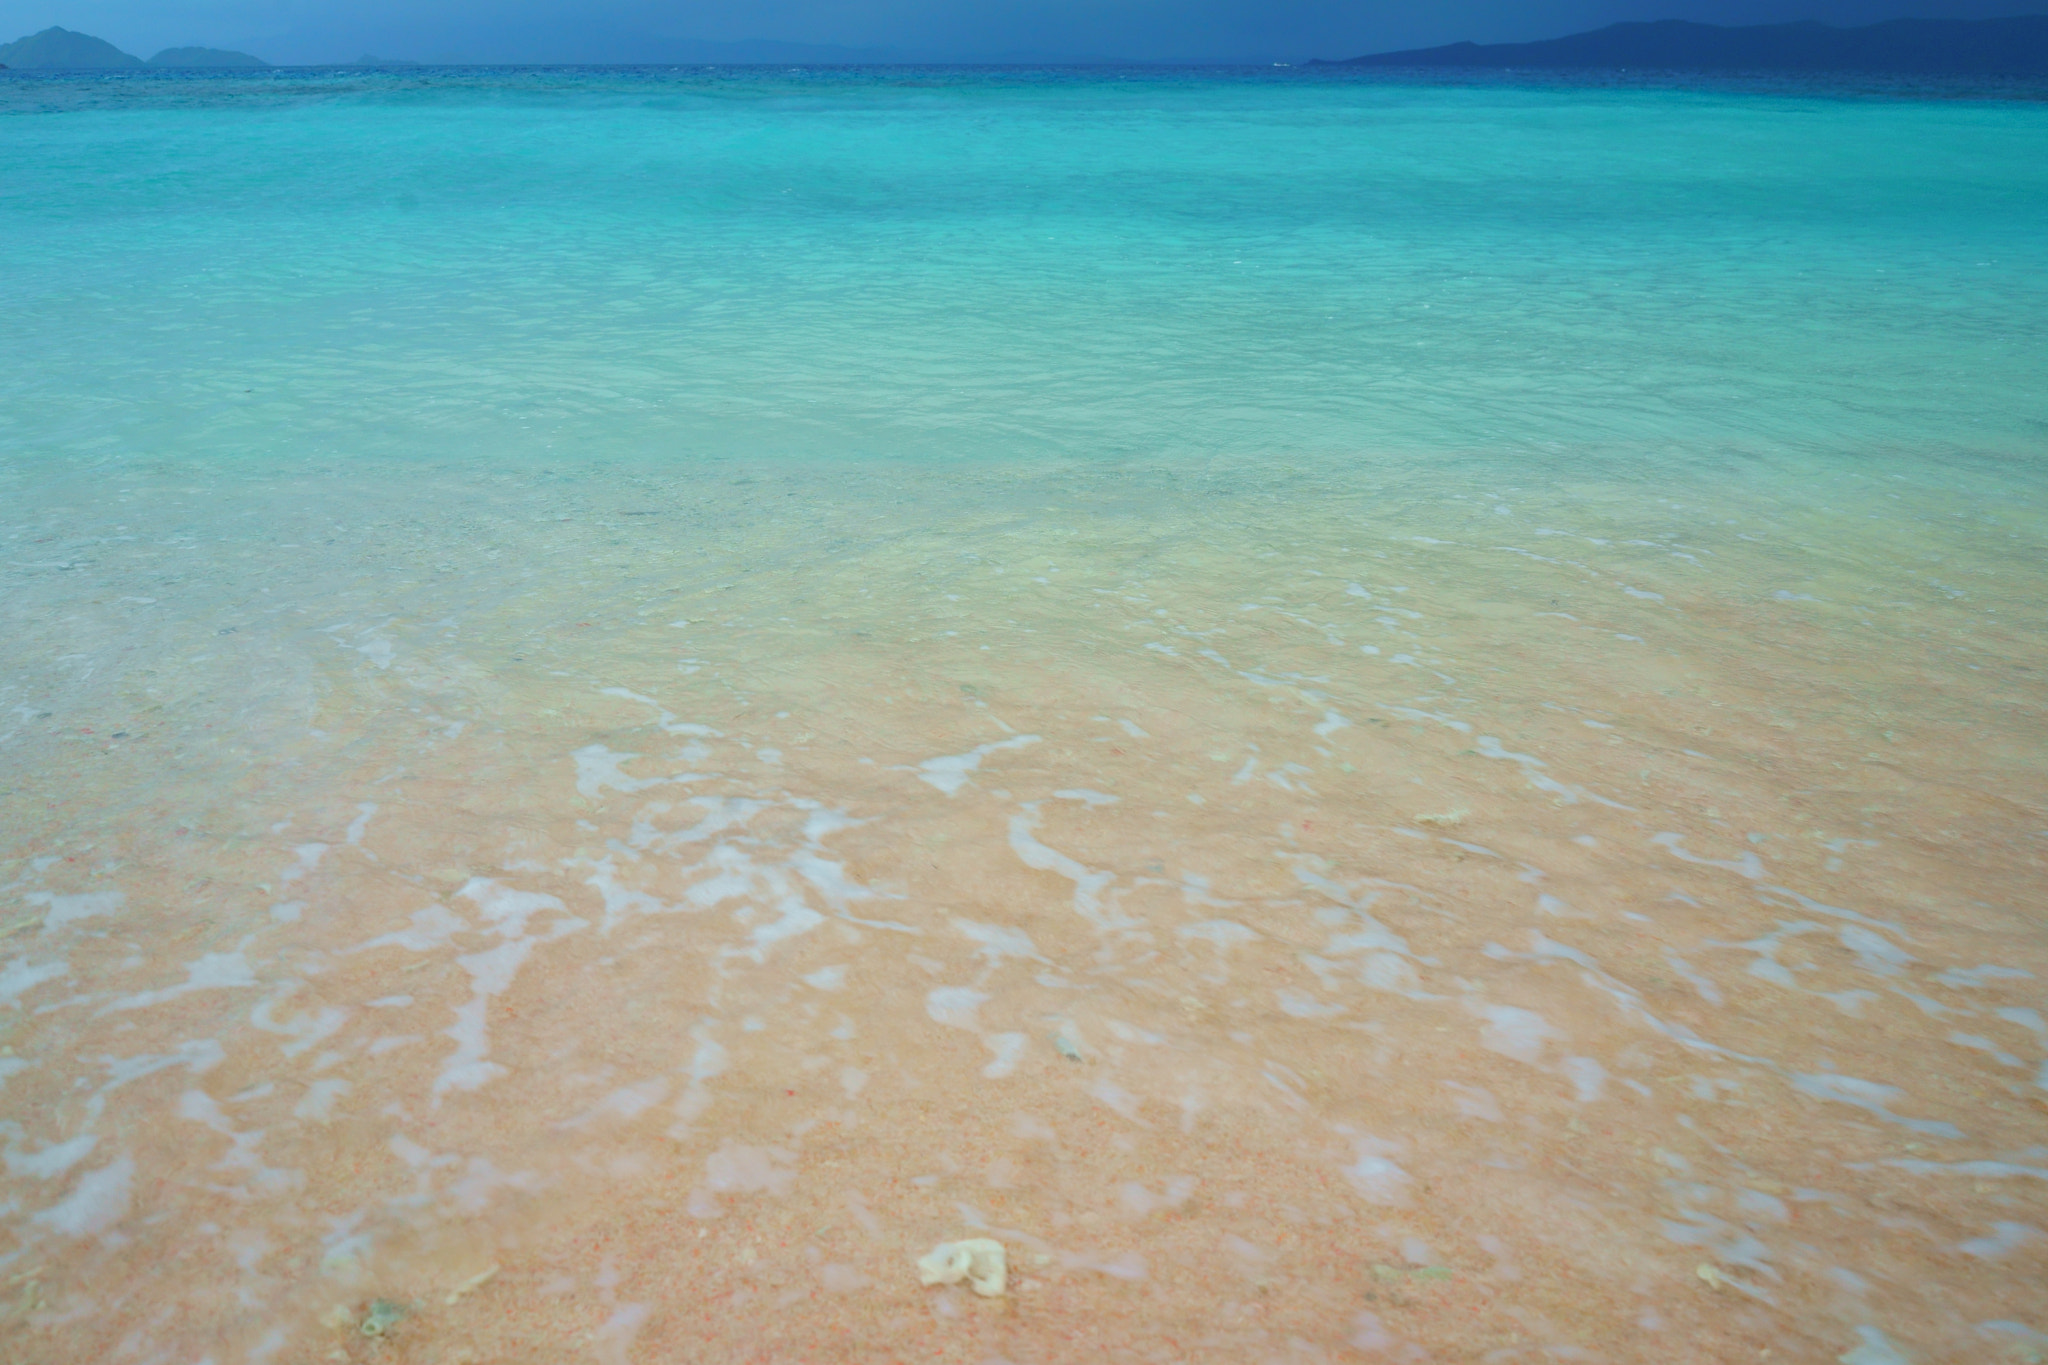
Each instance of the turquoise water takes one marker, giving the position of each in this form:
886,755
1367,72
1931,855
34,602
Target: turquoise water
1363,719
936,264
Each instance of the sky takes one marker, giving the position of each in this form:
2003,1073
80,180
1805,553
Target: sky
291,31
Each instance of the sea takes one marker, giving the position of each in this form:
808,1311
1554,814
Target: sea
1366,716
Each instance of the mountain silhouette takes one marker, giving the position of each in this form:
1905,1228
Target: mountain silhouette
1943,47
59,49
204,56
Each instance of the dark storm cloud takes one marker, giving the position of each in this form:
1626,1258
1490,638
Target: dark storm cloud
1155,30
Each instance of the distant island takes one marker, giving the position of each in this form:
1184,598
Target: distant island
59,49
205,56
1926,47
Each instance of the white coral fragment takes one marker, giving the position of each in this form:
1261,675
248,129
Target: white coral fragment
978,1260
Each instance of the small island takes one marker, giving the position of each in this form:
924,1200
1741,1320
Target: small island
59,49
1924,47
206,57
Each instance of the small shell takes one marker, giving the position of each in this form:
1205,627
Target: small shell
382,1317
979,1260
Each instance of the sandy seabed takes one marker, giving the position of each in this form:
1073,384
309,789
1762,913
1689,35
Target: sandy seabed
470,917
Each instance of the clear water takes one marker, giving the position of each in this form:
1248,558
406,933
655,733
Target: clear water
1358,716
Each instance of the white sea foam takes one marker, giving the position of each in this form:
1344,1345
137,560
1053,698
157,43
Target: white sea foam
955,1006
949,773
96,1203
63,910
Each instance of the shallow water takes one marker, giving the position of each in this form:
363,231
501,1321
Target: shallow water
1366,720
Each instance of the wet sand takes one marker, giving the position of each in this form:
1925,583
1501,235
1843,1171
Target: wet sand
1351,911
